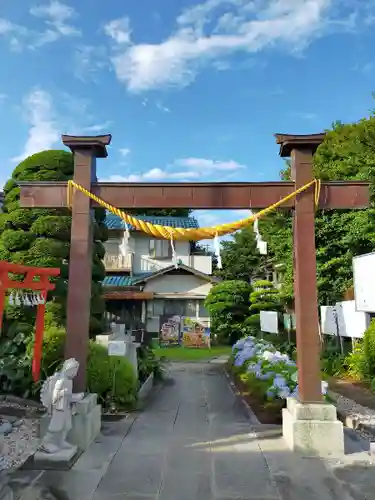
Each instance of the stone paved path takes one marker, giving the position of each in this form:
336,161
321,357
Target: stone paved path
195,442
189,445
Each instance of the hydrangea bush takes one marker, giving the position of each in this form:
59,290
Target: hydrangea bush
258,360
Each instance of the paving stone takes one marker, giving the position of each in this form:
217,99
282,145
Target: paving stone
99,455
133,474
186,485
122,496
238,474
194,441
67,485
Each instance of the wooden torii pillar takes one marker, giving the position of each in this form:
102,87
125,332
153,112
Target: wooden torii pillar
216,195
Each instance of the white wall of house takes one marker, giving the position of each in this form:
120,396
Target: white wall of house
188,292
139,245
183,285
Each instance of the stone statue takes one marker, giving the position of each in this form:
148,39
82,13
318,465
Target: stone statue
57,396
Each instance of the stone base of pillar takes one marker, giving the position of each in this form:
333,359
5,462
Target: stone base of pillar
313,429
86,423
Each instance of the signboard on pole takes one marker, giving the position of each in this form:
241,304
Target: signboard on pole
269,321
116,348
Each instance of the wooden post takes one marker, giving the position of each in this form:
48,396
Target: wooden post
301,150
305,285
85,150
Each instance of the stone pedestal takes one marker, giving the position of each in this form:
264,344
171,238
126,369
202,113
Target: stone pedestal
313,429
131,355
86,423
62,460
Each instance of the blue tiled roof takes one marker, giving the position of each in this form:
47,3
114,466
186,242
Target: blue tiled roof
120,280
114,222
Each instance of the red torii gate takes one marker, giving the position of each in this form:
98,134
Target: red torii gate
237,195
36,279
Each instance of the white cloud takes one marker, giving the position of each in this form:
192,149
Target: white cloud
89,60
43,133
208,164
14,33
161,107
305,115
99,127
218,28
124,152
119,30
155,174
56,18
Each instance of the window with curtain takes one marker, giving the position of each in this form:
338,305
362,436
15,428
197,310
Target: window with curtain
178,307
160,249
190,308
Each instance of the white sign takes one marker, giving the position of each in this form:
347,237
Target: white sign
364,282
269,321
351,323
116,348
328,320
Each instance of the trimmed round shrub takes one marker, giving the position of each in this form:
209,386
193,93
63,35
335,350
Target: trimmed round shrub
41,237
110,377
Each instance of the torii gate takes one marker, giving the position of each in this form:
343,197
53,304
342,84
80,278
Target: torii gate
234,195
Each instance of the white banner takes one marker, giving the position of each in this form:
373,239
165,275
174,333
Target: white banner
269,321
328,320
364,282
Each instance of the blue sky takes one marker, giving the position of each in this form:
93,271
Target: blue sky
189,90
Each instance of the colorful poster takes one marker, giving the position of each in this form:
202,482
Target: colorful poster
170,330
195,333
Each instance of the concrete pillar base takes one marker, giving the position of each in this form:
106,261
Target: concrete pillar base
313,429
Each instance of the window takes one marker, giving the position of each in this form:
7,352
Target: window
190,308
203,313
158,307
174,307
160,249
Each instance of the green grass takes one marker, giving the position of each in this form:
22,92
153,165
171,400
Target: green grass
191,353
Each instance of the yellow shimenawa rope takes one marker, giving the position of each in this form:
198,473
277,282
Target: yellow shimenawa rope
192,234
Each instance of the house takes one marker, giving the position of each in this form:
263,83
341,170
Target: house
144,285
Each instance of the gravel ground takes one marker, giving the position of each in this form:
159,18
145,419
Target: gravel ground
22,440
357,417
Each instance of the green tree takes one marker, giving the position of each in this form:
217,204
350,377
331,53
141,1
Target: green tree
228,304
264,297
41,237
240,257
347,153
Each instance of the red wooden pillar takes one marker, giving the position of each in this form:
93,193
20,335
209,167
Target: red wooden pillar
301,150
85,150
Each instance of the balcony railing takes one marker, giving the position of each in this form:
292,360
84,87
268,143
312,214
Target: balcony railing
118,262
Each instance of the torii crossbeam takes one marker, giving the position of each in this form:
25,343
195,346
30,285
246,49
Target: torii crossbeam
338,195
